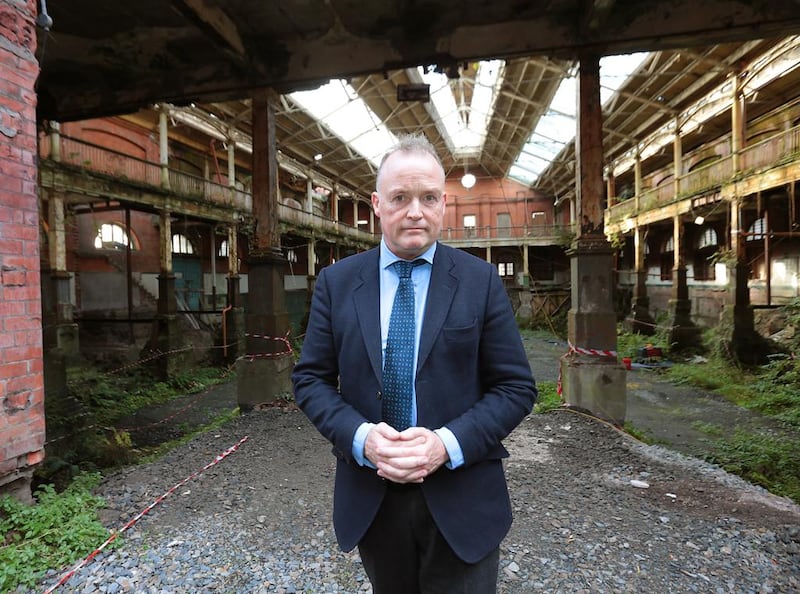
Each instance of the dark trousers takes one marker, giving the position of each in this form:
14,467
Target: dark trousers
403,552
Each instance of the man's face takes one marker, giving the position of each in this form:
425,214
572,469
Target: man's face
410,202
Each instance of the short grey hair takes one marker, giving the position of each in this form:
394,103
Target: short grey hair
411,143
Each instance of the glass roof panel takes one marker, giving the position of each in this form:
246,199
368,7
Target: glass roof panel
338,107
558,126
464,126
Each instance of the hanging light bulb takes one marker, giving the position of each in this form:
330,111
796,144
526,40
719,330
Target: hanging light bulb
468,180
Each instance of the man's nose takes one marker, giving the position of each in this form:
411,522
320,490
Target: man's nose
414,209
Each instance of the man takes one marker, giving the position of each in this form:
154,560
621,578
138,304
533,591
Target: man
427,505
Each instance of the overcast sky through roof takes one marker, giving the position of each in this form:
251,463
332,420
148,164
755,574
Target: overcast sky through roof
338,107
558,126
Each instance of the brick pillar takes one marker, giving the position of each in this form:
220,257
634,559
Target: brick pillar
22,428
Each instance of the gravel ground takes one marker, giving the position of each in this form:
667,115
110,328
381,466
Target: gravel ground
259,519
594,510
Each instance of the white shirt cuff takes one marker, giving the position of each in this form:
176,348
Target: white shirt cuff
452,446
359,439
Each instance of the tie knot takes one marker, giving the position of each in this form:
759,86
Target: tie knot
404,268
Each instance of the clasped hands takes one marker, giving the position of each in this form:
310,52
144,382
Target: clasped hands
404,456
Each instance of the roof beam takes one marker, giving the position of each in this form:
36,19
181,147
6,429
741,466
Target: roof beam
213,21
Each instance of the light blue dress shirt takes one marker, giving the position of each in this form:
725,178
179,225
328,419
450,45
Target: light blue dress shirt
389,281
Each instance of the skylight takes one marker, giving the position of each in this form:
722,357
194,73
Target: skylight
464,126
558,126
338,107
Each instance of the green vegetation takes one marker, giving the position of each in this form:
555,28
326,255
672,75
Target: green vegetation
771,460
159,451
111,396
81,424
630,344
548,397
60,530
633,431
63,526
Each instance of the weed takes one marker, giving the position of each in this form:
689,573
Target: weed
770,390
548,399
159,451
57,531
83,422
633,431
630,344
708,428
770,461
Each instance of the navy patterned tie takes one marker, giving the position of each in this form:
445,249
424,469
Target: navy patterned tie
398,365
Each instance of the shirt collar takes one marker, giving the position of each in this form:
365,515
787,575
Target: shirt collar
387,258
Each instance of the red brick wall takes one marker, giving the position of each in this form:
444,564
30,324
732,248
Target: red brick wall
22,428
490,197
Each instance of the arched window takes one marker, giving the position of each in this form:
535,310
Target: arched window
111,236
181,244
223,249
756,230
707,239
667,258
704,268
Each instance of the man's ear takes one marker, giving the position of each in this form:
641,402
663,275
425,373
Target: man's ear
376,204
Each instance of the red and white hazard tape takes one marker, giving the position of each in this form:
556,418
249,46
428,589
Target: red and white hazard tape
284,339
581,351
167,493
594,352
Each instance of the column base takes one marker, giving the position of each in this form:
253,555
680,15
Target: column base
597,387
164,348
640,321
263,380
683,333
739,340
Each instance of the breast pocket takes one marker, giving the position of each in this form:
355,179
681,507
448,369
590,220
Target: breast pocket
461,333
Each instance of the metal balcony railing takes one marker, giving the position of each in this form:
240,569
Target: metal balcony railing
467,234
92,157
771,152
99,159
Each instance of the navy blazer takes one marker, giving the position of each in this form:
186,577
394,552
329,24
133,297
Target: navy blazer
473,377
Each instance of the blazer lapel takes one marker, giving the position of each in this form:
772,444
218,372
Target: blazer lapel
366,301
440,295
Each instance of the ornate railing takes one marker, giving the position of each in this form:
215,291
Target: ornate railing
99,159
300,218
771,152
466,234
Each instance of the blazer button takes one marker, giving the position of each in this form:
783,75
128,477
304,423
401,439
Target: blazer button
378,395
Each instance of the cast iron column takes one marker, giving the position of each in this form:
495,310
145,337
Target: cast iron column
744,342
166,332
592,379
683,332
263,372
640,320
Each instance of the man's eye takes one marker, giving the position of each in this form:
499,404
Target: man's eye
399,198
430,199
